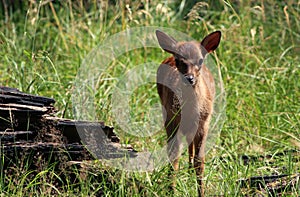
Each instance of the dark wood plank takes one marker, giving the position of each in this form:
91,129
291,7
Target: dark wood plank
13,136
14,96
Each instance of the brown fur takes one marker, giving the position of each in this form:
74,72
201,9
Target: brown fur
188,106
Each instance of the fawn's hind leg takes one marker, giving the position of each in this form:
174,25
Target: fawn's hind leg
191,154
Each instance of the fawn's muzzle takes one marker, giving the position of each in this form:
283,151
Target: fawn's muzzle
190,79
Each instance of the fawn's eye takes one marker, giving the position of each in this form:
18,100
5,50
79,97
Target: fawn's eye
200,62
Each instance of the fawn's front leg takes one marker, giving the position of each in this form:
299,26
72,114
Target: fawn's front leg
199,168
174,148
199,160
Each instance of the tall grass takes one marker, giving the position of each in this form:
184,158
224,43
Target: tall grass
43,45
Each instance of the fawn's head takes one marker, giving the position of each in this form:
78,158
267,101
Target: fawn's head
189,56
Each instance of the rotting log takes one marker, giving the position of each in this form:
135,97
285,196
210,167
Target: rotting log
29,128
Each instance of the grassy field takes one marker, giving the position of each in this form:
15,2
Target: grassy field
42,46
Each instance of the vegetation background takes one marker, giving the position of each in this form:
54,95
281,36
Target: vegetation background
43,43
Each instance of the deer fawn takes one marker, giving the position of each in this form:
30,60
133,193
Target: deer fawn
186,89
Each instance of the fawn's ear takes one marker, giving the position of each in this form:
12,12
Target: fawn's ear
211,41
166,42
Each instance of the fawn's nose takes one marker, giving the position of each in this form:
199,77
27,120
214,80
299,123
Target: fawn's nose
190,79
